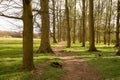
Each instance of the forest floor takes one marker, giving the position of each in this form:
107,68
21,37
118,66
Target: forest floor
76,68
77,62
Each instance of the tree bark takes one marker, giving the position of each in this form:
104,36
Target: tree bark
27,35
68,25
105,27
58,30
118,53
109,22
54,28
60,21
91,28
117,25
45,29
83,24
98,23
80,31
74,30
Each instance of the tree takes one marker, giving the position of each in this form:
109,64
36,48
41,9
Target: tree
117,25
74,30
105,27
109,21
83,23
118,53
68,25
97,13
54,28
59,17
45,28
91,28
27,35
60,25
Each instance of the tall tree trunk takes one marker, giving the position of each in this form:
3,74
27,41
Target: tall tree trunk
98,23
60,27
58,30
64,30
83,24
117,25
80,31
118,53
100,20
105,27
91,28
68,25
27,35
54,28
74,30
45,29
109,24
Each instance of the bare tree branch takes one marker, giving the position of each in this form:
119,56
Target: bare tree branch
14,17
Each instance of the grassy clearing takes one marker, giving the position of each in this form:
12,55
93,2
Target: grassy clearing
11,61
108,65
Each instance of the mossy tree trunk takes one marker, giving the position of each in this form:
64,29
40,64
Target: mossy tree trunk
45,29
91,28
27,35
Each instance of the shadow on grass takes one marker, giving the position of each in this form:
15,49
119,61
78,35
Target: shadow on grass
10,68
10,53
11,60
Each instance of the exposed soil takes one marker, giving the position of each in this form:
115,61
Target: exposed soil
76,67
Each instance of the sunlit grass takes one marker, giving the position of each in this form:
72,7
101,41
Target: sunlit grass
108,65
52,73
11,60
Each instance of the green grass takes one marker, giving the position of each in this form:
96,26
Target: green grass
51,73
11,61
108,65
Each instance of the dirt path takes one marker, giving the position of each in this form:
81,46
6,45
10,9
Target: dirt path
76,68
